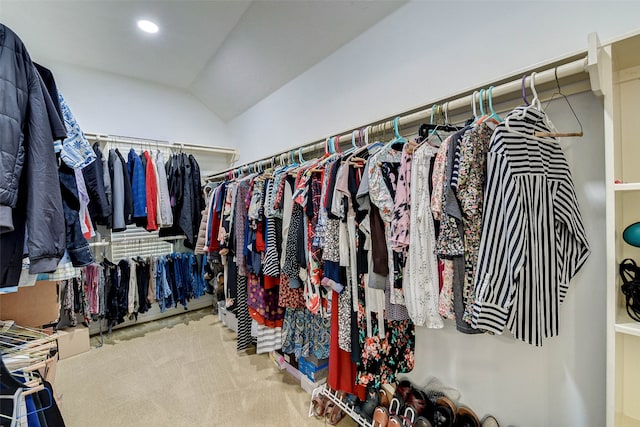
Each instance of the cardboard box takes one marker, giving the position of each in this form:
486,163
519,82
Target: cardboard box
313,368
317,375
32,306
309,385
73,341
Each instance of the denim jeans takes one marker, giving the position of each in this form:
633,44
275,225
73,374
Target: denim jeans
77,245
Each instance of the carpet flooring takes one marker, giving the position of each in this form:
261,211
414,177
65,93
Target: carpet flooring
180,371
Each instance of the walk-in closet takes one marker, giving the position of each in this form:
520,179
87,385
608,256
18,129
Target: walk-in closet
282,213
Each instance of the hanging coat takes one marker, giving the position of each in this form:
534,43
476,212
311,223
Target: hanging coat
128,195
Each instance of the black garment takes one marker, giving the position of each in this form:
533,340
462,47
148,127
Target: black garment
52,88
185,215
123,289
142,276
52,415
112,289
232,283
99,207
29,167
185,191
198,199
76,243
128,193
170,271
58,128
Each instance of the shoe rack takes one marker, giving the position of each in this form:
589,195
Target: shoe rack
617,78
325,390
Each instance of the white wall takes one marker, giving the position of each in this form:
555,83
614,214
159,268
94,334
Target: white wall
117,105
426,51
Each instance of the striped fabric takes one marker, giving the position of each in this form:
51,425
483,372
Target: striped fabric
271,262
242,315
269,339
533,240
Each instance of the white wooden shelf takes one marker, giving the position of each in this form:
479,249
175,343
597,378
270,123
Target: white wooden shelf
628,328
627,186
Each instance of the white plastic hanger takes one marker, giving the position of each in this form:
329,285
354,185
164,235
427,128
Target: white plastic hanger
535,104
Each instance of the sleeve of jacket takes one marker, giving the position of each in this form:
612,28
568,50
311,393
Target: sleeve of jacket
45,218
93,174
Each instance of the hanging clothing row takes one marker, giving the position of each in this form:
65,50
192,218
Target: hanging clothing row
116,291
94,188
478,224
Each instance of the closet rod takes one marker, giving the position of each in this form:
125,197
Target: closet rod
563,71
98,137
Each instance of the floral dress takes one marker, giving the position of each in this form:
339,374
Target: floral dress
471,179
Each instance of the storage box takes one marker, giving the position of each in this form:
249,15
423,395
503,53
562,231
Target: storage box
226,317
313,368
32,306
73,341
317,375
309,385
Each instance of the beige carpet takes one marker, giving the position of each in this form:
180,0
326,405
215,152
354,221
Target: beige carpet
182,371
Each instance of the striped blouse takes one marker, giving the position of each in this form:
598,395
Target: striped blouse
533,239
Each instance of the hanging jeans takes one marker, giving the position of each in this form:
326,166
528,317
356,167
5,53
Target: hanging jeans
76,244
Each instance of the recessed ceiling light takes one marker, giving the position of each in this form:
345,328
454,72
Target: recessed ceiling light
147,26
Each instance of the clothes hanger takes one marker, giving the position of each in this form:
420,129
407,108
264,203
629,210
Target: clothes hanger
561,134
524,91
535,104
492,116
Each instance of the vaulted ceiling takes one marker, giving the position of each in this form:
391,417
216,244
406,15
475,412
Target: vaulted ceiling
229,54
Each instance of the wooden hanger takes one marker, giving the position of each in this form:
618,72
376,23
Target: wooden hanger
561,134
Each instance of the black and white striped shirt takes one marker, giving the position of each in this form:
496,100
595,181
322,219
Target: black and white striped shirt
533,240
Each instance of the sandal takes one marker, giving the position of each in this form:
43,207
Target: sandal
335,414
380,417
467,418
319,403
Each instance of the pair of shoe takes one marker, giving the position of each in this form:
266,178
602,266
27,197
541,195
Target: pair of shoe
411,402
323,407
448,415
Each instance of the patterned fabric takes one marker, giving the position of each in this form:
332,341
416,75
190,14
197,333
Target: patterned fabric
305,334
445,304
383,358
240,219
450,242
256,203
472,176
400,221
271,261
76,150
315,260
422,277
291,267
533,238
289,297
345,312
379,192
242,315
438,179
331,250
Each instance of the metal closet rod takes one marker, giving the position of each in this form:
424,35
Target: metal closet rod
124,140
563,71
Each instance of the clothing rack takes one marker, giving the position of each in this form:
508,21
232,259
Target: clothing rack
457,103
166,145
